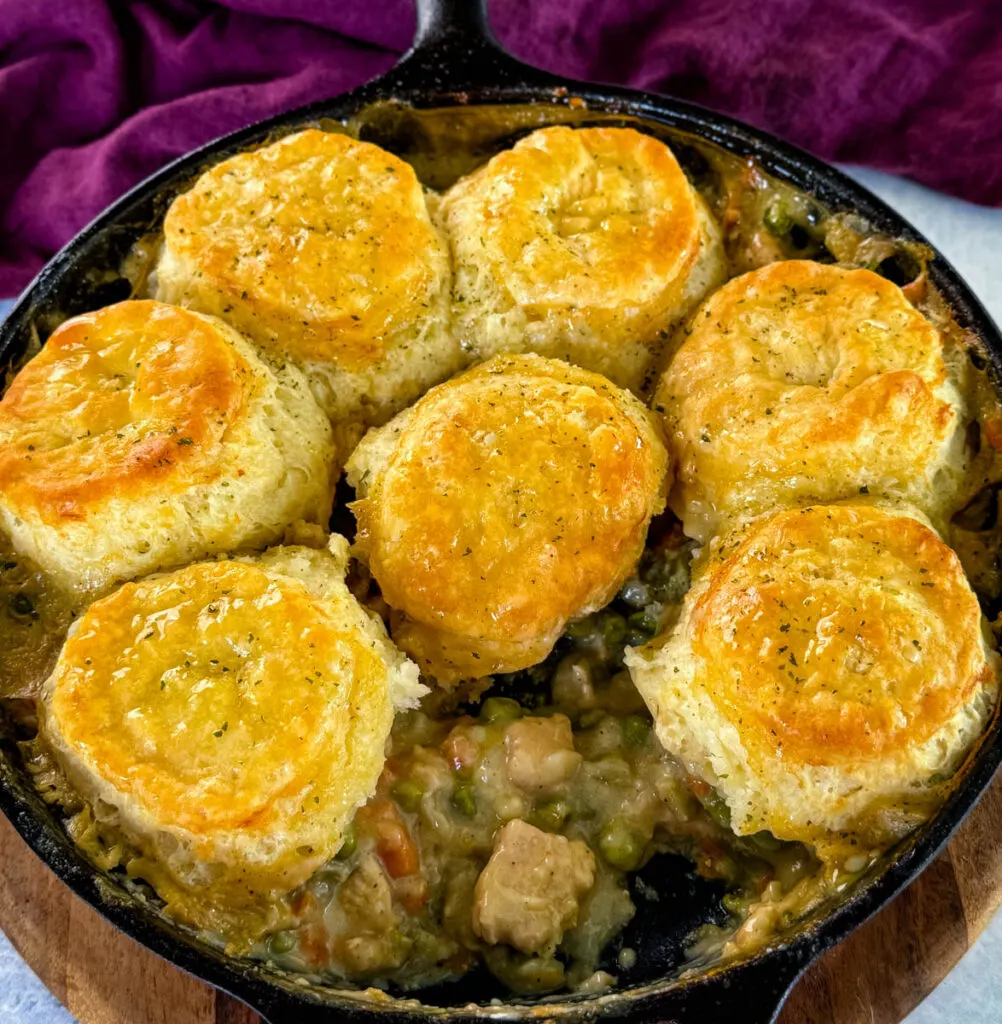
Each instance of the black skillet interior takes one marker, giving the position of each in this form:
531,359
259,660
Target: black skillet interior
456,66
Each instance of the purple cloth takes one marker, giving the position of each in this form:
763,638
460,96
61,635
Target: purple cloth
96,94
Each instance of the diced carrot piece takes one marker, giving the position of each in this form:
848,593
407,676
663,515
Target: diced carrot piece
394,845
915,291
315,944
412,893
303,903
697,785
993,432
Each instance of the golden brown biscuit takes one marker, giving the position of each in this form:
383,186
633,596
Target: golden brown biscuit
228,719
143,435
320,248
584,244
505,502
800,382
828,674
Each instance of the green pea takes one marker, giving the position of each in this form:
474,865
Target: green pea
550,815
621,845
464,799
671,588
635,593
612,769
500,710
652,572
735,902
716,807
591,717
613,628
645,621
524,973
580,629
348,843
281,942
777,219
636,729
408,793
635,638
766,842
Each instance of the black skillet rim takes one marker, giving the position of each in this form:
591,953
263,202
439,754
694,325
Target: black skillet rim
487,75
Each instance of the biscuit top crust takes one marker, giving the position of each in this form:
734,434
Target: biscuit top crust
600,222
838,633
132,395
220,698
803,381
325,240
516,496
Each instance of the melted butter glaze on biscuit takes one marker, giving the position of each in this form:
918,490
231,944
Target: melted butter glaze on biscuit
583,244
804,382
144,435
117,400
506,502
321,249
829,667
228,718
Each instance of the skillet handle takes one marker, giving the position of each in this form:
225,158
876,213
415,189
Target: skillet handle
455,49
462,21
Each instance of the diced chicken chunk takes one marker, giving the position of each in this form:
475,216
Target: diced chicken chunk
462,746
372,943
528,894
367,898
540,753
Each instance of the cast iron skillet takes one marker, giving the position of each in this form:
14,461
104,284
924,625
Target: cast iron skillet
455,62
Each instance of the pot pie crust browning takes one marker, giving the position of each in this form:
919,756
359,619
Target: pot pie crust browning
504,503
583,244
829,672
228,718
802,382
143,435
321,249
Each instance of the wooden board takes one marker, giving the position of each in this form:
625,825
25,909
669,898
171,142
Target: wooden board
876,977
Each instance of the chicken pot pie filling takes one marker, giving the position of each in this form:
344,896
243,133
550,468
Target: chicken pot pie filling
244,743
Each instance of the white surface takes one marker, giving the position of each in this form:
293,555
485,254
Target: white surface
971,238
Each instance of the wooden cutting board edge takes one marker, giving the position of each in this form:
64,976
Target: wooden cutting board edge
877,976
